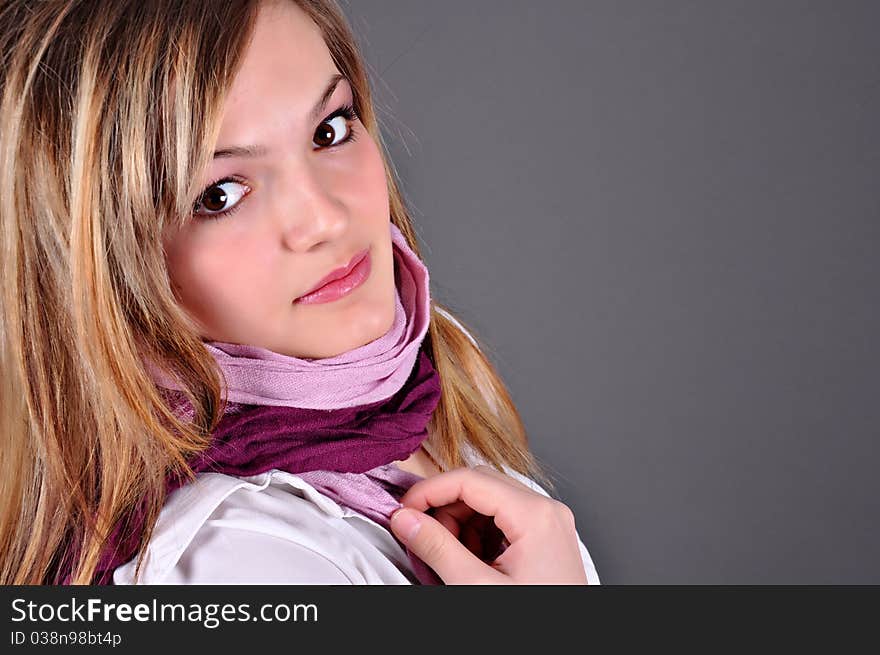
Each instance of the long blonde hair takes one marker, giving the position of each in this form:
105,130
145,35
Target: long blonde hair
108,112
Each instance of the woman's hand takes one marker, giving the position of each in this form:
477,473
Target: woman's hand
461,541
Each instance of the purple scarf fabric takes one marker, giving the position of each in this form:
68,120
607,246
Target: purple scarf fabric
385,393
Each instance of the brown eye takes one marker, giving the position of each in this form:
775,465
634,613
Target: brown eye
325,135
216,199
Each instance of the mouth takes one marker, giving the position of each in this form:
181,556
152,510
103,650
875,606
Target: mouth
340,282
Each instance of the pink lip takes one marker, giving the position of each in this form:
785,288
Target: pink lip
340,282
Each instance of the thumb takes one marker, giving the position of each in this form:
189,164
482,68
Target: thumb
437,547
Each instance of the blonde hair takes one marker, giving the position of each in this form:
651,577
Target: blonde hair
107,115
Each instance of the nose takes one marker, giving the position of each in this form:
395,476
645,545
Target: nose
313,214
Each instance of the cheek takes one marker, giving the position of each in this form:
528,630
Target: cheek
368,184
220,277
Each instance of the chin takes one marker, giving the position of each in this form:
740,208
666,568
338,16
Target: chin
376,324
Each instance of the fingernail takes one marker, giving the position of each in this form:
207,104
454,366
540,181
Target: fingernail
406,523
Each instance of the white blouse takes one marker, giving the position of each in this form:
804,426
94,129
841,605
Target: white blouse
274,528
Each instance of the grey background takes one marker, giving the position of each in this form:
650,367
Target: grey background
662,218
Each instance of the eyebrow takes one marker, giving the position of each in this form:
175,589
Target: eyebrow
259,150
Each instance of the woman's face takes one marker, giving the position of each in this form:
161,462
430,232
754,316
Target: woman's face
303,205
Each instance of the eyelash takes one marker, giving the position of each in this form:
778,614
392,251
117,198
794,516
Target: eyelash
346,110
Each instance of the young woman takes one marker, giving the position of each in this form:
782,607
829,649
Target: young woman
220,358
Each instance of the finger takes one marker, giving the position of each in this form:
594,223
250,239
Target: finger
458,511
503,477
511,505
483,470
436,547
494,472
453,516
448,521
474,530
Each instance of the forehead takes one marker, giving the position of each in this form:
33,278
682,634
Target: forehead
284,69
